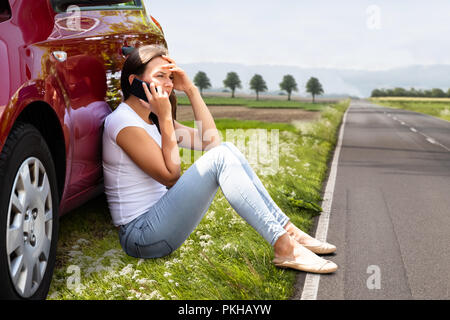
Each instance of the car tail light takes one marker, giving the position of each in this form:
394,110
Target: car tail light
157,24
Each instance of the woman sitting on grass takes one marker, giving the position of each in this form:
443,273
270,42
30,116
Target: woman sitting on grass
155,207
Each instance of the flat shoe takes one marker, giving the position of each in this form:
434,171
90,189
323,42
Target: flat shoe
325,266
323,248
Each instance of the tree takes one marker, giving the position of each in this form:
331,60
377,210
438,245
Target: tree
448,93
288,84
314,87
258,84
427,93
399,92
201,80
389,92
377,93
232,81
413,92
437,93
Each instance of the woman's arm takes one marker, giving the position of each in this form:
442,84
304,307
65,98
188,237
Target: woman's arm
209,135
159,163
162,164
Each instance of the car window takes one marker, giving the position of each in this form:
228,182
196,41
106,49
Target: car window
58,5
136,4
5,11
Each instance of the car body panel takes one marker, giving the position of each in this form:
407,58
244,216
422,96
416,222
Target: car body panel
82,87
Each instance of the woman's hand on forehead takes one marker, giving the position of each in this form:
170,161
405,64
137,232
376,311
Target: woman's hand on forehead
181,80
168,59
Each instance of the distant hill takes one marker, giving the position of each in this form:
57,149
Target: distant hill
336,82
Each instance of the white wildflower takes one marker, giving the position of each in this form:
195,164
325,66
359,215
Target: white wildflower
74,253
111,253
135,294
79,288
210,214
155,294
54,295
172,295
82,241
146,281
229,246
116,286
126,270
136,274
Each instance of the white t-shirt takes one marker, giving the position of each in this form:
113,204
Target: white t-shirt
129,190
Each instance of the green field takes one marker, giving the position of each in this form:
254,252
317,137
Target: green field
224,258
439,108
252,103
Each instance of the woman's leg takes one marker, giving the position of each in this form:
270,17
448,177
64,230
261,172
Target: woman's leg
276,211
301,236
172,219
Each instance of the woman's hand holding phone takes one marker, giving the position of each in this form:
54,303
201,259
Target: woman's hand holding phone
159,101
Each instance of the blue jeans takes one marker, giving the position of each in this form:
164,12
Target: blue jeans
170,221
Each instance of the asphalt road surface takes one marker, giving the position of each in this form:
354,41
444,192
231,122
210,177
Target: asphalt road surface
390,215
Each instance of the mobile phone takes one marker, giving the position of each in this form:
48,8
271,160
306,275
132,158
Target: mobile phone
137,89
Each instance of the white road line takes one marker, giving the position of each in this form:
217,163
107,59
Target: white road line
433,141
311,286
428,138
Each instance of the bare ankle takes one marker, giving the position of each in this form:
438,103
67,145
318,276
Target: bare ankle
284,246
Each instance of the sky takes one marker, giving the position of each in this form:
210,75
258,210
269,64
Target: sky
346,34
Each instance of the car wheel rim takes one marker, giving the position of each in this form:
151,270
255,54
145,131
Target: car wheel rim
29,227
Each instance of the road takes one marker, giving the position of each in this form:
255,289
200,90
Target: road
390,213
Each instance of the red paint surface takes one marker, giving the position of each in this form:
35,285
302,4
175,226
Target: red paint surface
81,90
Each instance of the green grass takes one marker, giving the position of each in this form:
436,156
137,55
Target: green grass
252,103
224,258
439,109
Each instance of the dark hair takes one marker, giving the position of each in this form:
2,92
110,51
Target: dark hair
136,63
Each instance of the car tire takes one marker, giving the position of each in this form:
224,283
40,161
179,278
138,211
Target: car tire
29,215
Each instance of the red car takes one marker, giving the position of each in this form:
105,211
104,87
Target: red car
60,63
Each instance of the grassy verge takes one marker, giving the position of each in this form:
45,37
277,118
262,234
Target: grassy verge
439,108
252,103
224,258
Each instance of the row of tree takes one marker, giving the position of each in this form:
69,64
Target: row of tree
401,92
257,83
